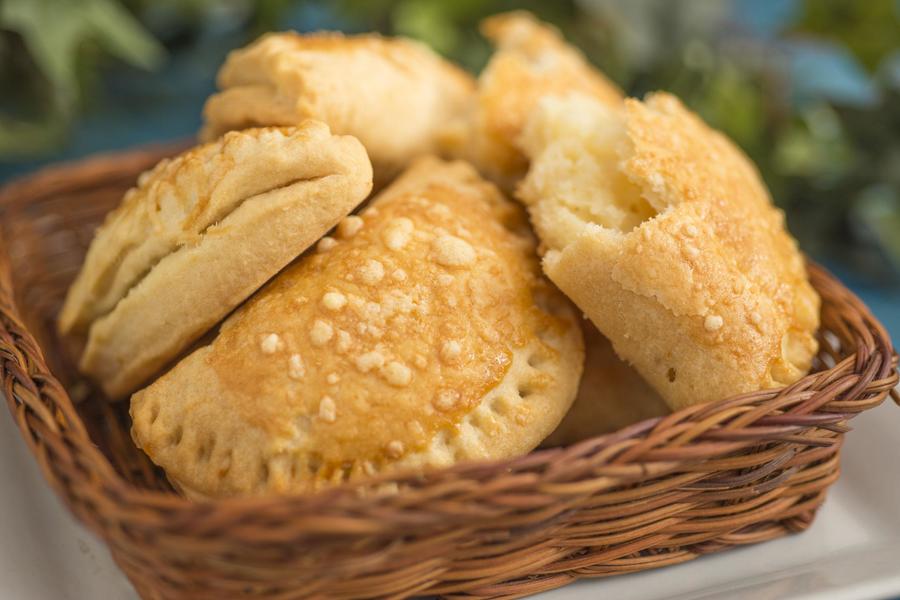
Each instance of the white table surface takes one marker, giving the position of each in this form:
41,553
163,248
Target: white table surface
852,550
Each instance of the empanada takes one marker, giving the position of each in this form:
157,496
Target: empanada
421,334
391,93
662,232
611,395
531,61
198,235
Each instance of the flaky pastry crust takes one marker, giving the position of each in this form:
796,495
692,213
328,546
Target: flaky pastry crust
392,94
198,235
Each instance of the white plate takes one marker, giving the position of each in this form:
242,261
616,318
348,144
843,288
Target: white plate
852,549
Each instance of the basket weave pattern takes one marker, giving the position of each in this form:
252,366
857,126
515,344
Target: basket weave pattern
661,492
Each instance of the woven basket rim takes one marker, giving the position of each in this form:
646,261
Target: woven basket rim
31,389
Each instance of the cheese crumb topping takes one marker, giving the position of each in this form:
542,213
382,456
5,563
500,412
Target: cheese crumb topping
326,244
327,409
350,226
713,322
343,341
371,272
395,449
397,233
397,374
451,251
450,350
270,344
321,332
334,300
296,369
370,360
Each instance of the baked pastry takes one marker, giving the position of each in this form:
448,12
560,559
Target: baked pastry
611,395
391,93
198,235
531,61
421,334
661,230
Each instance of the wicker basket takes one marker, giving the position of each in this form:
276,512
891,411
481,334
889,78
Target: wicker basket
664,491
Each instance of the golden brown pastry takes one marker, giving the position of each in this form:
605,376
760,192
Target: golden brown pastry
421,334
198,235
662,232
531,60
611,395
391,93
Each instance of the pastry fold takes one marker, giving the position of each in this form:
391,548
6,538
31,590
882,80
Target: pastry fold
661,230
198,235
393,94
422,334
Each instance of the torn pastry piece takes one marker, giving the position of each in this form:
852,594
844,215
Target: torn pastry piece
421,334
662,232
391,93
198,235
611,395
531,61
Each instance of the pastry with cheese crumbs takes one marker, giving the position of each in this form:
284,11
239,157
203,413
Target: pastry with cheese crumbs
198,235
661,230
420,334
393,94
611,395
531,61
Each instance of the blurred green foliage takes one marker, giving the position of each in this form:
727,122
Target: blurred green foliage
59,37
809,88
869,29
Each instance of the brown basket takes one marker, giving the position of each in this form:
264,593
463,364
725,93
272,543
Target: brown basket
664,491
